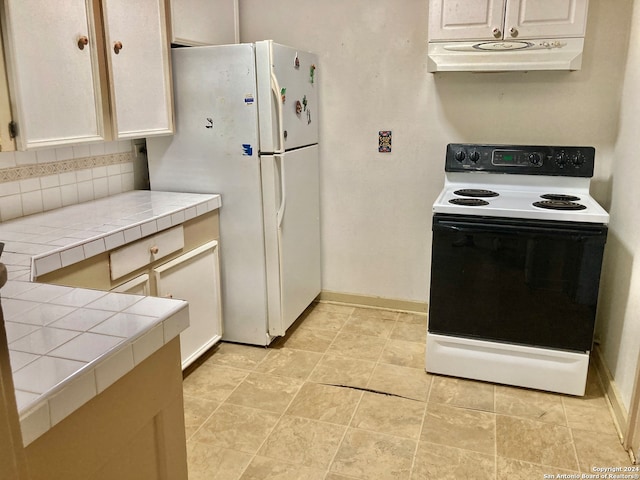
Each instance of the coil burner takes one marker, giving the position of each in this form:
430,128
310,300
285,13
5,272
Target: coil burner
560,196
559,205
469,202
475,192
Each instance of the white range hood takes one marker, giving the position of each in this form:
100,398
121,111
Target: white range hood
506,55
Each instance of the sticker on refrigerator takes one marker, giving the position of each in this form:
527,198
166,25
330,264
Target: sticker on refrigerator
296,61
247,150
248,99
304,103
384,141
283,94
298,107
209,123
312,73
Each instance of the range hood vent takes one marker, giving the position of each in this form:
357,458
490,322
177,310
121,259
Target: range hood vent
506,55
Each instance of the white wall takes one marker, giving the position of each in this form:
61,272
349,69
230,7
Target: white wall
619,312
376,208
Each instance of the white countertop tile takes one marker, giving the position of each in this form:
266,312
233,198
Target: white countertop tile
44,293
18,330
12,288
114,302
42,340
25,399
34,421
45,373
82,320
125,325
148,343
75,394
78,297
86,347
44,314
13,308
150,306
21,359
114,368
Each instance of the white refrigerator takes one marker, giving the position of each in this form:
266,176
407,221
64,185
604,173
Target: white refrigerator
247,128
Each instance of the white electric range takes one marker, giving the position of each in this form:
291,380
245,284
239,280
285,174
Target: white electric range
517,252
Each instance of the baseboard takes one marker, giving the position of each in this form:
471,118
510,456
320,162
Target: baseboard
376,302
620,414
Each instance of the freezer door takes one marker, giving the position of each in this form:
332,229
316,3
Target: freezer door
292,234
288,91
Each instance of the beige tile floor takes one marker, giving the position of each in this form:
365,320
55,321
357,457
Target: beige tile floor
287,412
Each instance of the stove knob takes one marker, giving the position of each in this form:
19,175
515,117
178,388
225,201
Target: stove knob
577,159
474,156
460,156
561,159
535,159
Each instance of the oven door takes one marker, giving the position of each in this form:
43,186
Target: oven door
519,281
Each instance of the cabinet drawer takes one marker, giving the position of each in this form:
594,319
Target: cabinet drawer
143,252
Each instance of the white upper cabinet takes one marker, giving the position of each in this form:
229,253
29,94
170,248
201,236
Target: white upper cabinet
52,56
204,22
138,58
545,18
469,20
68,86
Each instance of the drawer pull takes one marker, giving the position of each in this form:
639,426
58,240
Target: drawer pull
154,250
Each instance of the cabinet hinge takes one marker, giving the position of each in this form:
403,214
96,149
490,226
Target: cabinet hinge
13,129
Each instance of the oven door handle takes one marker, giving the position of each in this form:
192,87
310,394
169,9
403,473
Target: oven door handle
506,229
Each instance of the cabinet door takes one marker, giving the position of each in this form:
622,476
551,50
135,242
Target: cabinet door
139,74
52,64
195,277
138,286
545,18
204,22
465,19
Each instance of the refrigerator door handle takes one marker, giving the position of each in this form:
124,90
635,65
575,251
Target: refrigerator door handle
283,192
277,96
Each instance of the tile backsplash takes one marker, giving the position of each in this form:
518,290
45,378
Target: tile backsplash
41,180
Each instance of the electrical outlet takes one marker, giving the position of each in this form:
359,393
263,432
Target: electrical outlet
384,141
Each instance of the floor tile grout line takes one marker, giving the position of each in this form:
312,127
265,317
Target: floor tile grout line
573,440
554,425
424,419
205,420
255,454
573,444
346,430
248,372
344,434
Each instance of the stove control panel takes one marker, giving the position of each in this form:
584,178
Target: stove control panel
569,161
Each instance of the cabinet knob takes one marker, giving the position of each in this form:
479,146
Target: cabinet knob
154,250
513,31
82,42
496,32
117,47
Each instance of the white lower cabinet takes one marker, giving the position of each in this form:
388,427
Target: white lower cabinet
138,286
194,277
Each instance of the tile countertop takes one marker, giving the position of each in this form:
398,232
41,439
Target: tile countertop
66,344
